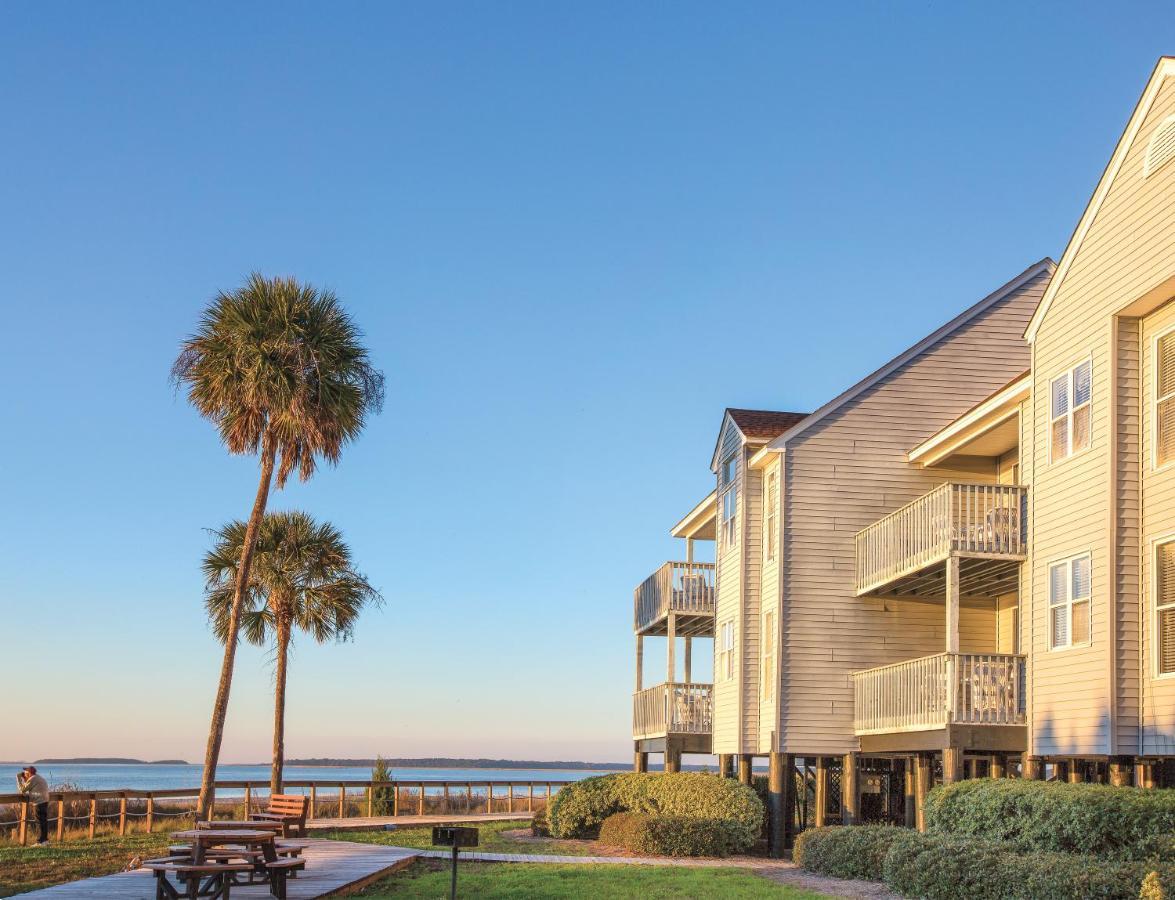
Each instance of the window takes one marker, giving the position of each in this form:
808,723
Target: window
726,651
1069,602
1164,431
1070,412
1165,607
729,501
771,501
769,655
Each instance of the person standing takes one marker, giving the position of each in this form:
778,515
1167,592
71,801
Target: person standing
37,790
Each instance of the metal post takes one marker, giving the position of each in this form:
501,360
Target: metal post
453,883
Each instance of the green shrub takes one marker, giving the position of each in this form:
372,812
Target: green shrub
579,809
846,851
670,835
538,824
940,867
1109,822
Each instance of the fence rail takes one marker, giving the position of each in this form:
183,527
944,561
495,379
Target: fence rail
675,587
940,690
672,708
344,798
977,519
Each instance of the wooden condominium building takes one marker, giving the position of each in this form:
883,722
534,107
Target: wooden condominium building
963,565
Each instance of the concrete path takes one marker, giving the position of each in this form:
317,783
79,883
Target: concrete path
330,866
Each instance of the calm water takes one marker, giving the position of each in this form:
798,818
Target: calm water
113,777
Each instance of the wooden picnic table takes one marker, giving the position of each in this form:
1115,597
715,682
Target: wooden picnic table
240,825
203,839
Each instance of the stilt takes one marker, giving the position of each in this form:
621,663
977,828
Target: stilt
1144,774
1120,771
725,765
778,786
1076,772
1032,769
921,788
952,765
744,767
850,795
672,757
821,798
909,803
999,766
640,762
971,767
1061,770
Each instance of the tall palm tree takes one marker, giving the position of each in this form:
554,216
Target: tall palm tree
279,368
301,578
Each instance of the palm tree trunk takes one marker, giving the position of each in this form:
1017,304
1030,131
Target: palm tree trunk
279,706
204,808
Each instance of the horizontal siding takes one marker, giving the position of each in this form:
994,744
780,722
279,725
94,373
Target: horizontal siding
769,601
846,472
728,608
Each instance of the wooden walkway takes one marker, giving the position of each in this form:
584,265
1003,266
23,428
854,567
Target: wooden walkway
330,866
390,823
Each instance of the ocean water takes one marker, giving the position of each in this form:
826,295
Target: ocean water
165,777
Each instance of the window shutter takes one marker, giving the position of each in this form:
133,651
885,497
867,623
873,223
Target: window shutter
1161,149
1165,600
1165,394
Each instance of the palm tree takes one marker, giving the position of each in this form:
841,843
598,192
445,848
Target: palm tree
279,368
301,577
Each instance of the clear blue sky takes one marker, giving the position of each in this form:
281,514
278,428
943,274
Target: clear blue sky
573,234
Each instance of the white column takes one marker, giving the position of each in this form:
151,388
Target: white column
672,647
640,661
688,659
952,605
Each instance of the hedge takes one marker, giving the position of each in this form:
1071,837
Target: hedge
845,851
940,867
670,835
579,809
1115,823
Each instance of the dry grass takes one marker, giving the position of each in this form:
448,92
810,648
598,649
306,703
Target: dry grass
26,868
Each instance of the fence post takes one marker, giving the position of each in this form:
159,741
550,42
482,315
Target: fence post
510,797
447,809
420,803
370,800
530,797
313,800
342,799
489,798
24,822
248,800
61,818
150,812
93,815
396,799
122,815
468,797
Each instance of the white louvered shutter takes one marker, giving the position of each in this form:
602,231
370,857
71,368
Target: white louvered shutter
1165,399
1161,149
1060,417
1165,601
1058,606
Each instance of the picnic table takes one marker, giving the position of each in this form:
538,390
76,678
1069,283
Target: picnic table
240,825
204,839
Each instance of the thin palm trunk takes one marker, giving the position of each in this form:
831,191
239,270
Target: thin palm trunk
204,806
279,705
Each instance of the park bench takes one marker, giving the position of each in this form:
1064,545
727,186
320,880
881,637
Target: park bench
215,886
279,870
288,809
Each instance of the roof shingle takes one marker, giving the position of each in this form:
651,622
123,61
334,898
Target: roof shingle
763,424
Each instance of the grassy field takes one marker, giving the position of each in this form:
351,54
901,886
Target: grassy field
26,868
491,839
523,881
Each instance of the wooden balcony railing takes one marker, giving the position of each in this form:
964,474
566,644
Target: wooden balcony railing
675,587
936,691
672,709
974,519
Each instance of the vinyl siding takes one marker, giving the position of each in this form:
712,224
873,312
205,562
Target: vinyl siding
769,600
729,605
846,472
1158,521
1125,520
752,554
1127,250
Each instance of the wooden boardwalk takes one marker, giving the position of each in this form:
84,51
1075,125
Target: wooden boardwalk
390,823
330,866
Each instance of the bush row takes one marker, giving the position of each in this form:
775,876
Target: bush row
579,809
944,867
1114,823
670,835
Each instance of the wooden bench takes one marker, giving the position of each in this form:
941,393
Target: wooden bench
215,886
281,869
288,809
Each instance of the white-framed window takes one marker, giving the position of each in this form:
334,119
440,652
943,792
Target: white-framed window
729,473
726,651
771,502
768,654
1164,406
1070,411
1070,598
1165,607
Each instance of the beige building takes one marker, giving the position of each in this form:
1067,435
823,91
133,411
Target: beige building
964,564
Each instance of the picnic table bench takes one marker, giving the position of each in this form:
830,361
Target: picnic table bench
289,810
191,877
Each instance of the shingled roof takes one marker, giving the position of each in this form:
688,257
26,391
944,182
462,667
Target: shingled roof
763,424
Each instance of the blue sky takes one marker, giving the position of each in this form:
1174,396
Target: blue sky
573,233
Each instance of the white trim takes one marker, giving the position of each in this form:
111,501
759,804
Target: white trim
726,416
1044,266
770,515
767,672
725,657
694,520
1155,400
1068,374
1067,562
1153,612
1164,68
1010,397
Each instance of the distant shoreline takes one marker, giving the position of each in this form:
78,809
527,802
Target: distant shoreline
333,763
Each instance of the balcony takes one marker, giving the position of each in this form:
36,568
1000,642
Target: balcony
683,588
981,524
972,699
666,710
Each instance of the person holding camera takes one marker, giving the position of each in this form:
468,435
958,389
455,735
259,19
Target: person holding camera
37,790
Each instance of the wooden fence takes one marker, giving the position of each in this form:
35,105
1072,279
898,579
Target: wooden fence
123,808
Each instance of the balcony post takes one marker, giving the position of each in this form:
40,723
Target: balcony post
688,659
672,649
640,662
952,607
689,550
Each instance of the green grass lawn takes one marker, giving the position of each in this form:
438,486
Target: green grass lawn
602,881
26,868
490,839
